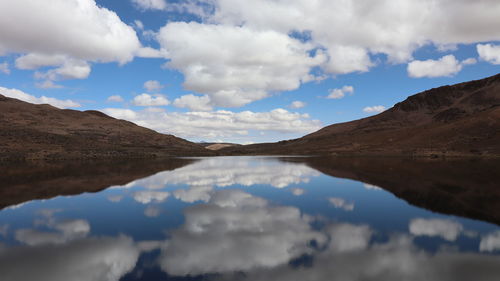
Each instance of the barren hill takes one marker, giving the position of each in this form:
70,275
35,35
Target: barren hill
29,131
458,120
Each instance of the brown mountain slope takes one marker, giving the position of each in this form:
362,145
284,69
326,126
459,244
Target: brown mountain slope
458,120
29,131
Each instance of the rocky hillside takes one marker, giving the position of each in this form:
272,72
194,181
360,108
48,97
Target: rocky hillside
29,131
458,120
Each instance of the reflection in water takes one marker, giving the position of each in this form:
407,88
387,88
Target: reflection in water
241,230
250,218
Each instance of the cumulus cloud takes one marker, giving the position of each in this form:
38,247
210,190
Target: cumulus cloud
489,53
361,29
4,68
297,104
447,229
218,124
150,100
341,203
340,93
236,65
79,29
152,85
115,98
18,94
150,4
445,66
70,69
244,231
195,103
374,109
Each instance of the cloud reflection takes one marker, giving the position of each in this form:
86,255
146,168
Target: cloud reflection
225,171
237,231
446,229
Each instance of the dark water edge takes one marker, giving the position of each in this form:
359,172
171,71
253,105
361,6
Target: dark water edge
463,187
23,181
251,218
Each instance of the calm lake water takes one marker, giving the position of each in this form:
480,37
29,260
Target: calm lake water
251,218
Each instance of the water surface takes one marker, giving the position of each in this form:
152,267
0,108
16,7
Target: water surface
251,218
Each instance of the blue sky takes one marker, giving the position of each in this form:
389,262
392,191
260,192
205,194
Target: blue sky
241,71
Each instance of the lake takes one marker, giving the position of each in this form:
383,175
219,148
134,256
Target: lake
251,218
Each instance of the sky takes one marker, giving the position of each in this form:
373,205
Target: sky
237,70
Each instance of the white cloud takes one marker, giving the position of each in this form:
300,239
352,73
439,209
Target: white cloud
358,29
297,104
152,85
447,229
4,68
489,53
236,65
70,69
115,98
243,231
218,124
374,109
79,29
445,66
138,24
340,93
18,94
146,197
195,103
150,4
341,203
35,60
490,242
469,61
125,114
150,100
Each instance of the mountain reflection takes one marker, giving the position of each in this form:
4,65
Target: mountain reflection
249,218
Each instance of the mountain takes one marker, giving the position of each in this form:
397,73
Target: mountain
29,131
458,120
